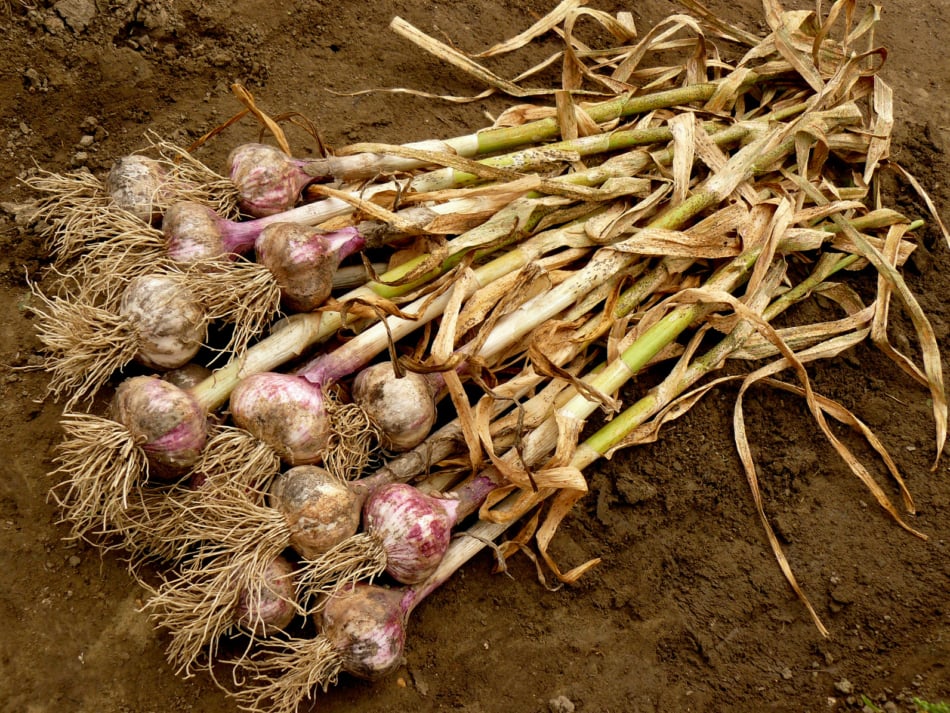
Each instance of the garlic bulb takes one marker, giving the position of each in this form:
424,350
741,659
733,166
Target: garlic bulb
286,412
267,180
320,509
170,324
401,407
365,625
272,607
303,260
164,420
134,183
414,529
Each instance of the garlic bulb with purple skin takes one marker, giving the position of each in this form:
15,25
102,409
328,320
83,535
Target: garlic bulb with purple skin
402,407
413,528
286,412
236,539
196,233
211,595
405,530
164,420
268,181
362,632
293,415
272,608
366,627
303,260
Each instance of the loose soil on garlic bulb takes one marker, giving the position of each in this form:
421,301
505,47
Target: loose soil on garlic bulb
688,609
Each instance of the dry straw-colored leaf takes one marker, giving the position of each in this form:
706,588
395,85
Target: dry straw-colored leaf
561,505
675,243
543,25
884,292
247,99
727,30
789,359
883,107
457,59
925,196
684,131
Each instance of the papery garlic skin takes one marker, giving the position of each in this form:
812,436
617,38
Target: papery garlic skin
169,322
303,260
366,628
320,509
401,407
192,233
134,183
414,529
286,412
165,421
267,180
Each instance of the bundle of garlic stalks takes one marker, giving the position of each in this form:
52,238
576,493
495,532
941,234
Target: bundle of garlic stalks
415,337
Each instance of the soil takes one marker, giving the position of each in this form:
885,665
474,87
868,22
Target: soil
689,610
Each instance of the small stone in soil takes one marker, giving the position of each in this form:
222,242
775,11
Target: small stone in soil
844,686
561,704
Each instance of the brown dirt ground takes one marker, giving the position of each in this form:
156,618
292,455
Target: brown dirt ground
688,610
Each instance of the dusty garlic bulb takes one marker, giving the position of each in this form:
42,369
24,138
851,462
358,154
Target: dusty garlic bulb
165,421
366,628
135,183
286,412
401,407
194,233
169,323
303,260
320,509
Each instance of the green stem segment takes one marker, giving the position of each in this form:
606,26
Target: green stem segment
492,140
